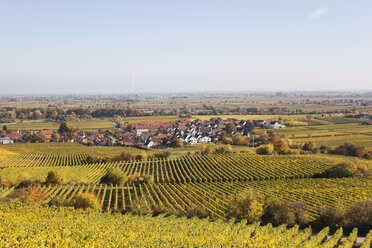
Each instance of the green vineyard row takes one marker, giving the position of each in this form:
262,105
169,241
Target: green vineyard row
188,169
215,196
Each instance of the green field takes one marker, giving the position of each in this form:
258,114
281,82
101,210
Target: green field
85,125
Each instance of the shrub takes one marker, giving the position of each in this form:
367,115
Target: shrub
176,142
23,180
141,207
365,172
124,156
196,210
59,201
85,200
352,150
331,216
142,156
113,176
159,209
25,183
265,149
5,183
310,146
54,177
285,212
31,195
245,205
345,169
138,179
223,149
208,149
163,155
359,215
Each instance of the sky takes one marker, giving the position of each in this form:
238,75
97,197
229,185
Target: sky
121,47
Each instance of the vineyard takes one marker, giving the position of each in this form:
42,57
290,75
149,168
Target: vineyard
26,226
215,196
187,169
208,181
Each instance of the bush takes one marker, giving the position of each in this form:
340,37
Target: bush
352,150
310,146
141,207
138,179
54,177
176,142
142,156
345,169
285,212
196,210
265,149
113,176
163,155
5,183
159,209
223,149
26,183
359,215
208,149
245,205
85,200
30,195
331,216
59,202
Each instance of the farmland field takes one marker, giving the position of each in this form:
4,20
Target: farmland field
86,125
207,180
213,168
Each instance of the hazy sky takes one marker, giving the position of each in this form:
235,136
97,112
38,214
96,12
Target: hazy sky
87,46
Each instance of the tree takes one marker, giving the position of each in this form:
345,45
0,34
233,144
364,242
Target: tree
5,128
37,115
54,137
208,149
245,205
230,128
359,215
226,139
265,149
113,176
345,169
240,140
223,149
309,146
54,177
176,142
86,200
331,216
63,128
285,212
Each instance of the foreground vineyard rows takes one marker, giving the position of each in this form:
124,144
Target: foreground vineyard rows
30,226
211,168
215,196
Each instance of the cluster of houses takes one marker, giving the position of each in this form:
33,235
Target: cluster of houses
157,134
13,135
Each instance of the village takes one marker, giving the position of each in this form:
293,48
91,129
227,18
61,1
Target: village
150,135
